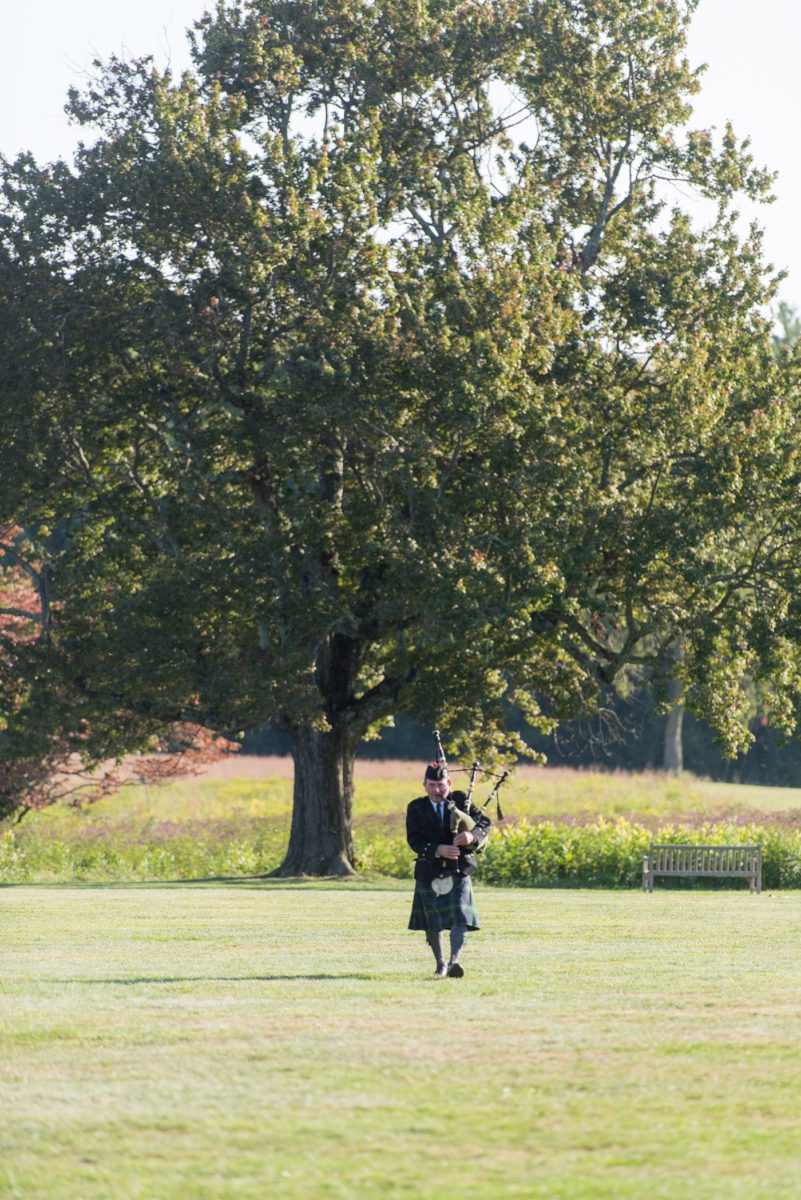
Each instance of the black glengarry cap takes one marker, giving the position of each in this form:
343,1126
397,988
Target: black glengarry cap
436,771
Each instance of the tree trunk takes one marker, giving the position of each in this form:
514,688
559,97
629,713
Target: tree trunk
321,840
672,746
673,750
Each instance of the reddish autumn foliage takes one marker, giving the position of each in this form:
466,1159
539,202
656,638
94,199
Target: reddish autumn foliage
20,602
60,773
28,784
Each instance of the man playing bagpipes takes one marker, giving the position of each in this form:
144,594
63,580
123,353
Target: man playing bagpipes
444,829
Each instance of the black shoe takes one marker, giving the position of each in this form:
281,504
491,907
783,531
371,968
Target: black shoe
441,971
455,970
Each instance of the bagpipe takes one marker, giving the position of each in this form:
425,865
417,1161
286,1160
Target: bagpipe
459,820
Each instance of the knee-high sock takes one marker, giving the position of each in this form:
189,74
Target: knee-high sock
435,942
458,934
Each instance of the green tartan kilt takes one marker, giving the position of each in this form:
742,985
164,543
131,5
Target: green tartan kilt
434,913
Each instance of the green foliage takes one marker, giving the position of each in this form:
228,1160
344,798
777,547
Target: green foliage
601,853
597,852
789,323
365,369
179,852
609,853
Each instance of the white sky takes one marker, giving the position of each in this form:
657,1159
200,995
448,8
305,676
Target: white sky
753,78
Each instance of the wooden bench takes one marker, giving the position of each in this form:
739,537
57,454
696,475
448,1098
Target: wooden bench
690,862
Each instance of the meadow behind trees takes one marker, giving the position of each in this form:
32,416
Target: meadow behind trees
561,827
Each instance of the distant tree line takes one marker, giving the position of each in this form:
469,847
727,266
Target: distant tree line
631,738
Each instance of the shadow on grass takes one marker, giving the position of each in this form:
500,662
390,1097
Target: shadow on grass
136,981
255,882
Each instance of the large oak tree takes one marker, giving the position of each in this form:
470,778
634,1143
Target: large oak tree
373,366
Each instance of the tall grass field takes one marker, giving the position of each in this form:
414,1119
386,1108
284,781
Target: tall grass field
561,827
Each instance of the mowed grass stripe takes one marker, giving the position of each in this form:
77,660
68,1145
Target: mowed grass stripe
258,1039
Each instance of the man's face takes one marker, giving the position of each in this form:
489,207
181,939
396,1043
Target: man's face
437,789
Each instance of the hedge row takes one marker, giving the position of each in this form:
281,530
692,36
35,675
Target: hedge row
602,854
30,857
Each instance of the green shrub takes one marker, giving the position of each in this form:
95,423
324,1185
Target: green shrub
382,855
601,853
202,850
609,853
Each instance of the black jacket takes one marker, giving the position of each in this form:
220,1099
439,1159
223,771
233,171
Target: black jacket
424,834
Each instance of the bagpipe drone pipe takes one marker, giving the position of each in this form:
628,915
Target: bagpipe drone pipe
460,820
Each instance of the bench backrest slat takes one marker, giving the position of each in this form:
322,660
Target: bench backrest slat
675,859
685,859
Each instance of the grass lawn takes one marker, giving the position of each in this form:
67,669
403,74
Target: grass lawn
257,1039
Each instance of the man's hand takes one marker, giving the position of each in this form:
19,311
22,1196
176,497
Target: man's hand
465,838
444,851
